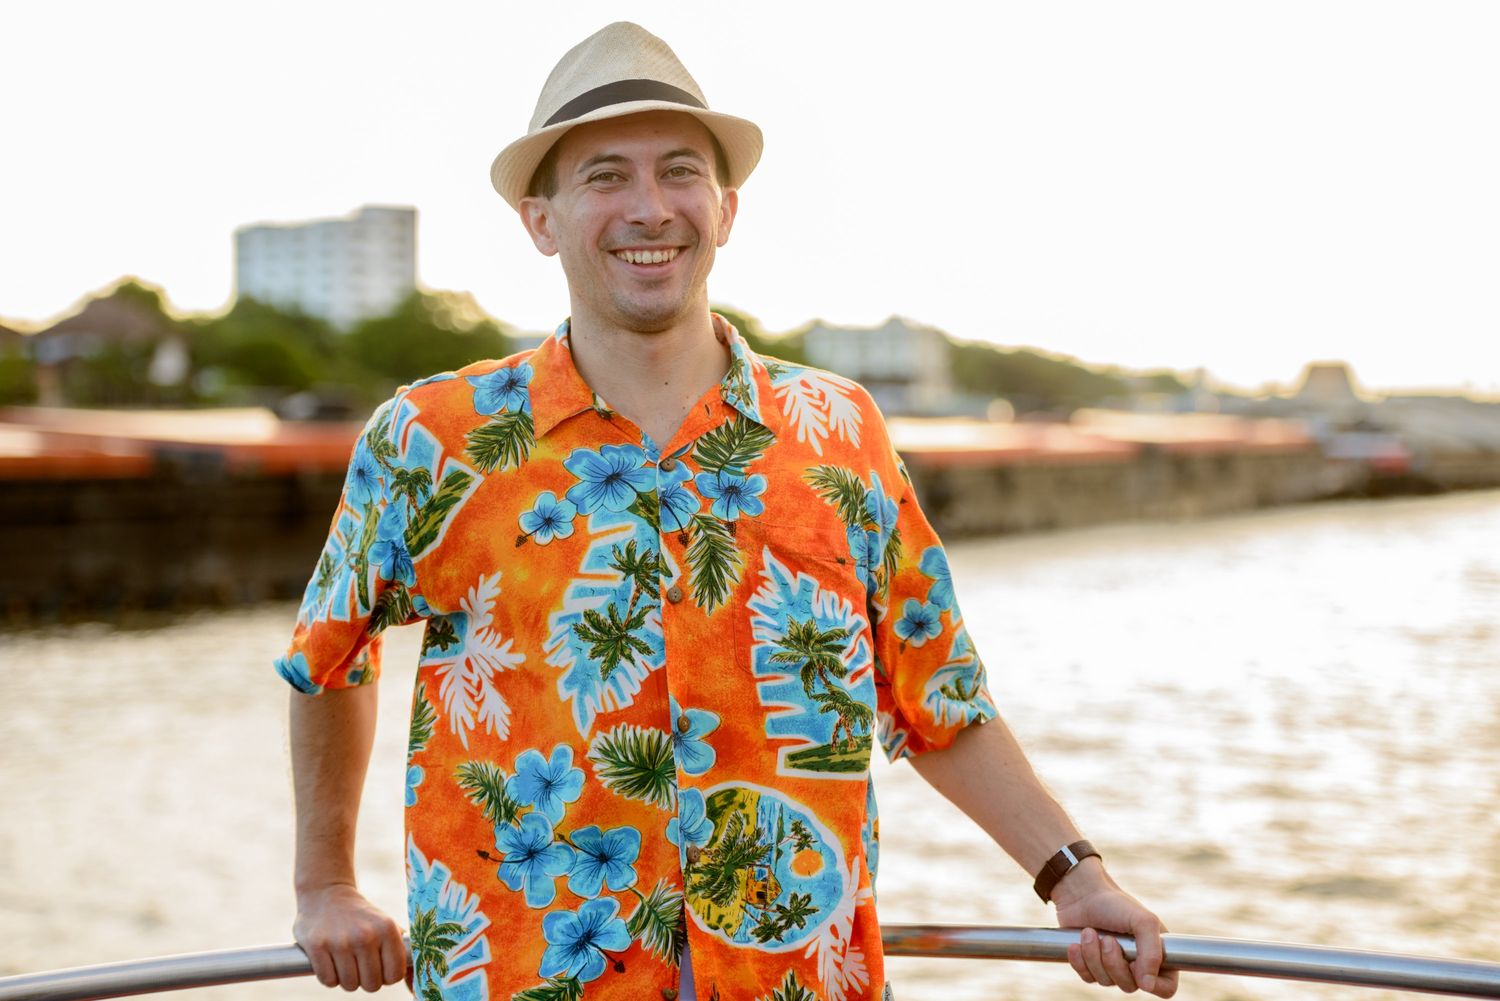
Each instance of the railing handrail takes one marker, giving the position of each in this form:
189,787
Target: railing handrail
1187,953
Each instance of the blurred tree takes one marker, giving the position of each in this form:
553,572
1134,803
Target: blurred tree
17,376
259,346
427,333
1032,381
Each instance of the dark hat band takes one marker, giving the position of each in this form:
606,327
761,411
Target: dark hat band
622,92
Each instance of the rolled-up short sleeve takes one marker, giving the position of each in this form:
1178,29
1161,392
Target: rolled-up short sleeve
931,681
364,580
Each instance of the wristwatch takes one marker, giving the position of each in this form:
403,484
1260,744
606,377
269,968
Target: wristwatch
1060,865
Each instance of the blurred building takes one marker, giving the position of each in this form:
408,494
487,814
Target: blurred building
342,270
906,367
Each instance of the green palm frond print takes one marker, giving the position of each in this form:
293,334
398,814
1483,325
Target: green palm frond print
660,923
636,762
392,608
556,989
423,530
484,782
844,490
423,716
505,442
431,941
714,562
733,446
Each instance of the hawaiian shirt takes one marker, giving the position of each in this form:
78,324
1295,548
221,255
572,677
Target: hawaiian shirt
650,678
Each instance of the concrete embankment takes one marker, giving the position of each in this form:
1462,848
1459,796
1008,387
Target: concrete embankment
103,512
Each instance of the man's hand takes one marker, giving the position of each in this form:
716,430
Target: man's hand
351,942
1087,898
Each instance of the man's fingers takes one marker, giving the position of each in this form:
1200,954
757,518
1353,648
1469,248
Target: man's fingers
1148,954
1075,960
347,967
392,955
1089,945
1115,964
1166,984
371,963
323,968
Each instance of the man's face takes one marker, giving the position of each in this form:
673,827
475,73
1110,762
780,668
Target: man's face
636,219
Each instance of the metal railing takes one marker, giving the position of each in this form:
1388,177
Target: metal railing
1186,953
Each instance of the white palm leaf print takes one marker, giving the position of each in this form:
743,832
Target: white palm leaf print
466,681
841,966
816,402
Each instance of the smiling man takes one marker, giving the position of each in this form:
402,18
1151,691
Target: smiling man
673,592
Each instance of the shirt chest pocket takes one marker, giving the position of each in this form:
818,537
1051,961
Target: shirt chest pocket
803,633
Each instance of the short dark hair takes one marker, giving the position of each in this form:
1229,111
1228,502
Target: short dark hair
544,178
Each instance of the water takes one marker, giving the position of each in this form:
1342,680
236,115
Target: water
1279,726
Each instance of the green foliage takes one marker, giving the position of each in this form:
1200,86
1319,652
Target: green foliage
817,652
392,608
431,941
636,762
843,489
438,635
716,874
647,507
643,567
782,918
660,923
427,332
423,530
484,783
556,989
503,443
612,638
790,990
17,377
732,446
423,716
714,562
1032,381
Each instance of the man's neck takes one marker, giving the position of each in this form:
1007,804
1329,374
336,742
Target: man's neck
653,379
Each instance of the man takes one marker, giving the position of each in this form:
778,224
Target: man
673,591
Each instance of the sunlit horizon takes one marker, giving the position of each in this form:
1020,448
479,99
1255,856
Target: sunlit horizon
1163,186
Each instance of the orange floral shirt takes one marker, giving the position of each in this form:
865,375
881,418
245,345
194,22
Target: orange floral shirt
651,674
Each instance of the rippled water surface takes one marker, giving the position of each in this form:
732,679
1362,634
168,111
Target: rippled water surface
1277,726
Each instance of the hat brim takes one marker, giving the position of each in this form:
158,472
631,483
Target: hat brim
511,172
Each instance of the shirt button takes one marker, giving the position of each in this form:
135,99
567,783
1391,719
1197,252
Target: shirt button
669,993
668,464
674,594
684,724
693,854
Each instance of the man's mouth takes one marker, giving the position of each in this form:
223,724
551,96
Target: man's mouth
658,256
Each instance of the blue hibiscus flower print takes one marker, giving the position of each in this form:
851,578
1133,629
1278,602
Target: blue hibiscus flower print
919,622
546,785
691,826
688,746
295,670
388,552
603,859
549,518
534,858
864,547
364,484
502,389
732,495
881,508
414,777
577,942
608,479
935,565
678,504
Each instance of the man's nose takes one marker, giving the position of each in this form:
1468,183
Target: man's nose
648,204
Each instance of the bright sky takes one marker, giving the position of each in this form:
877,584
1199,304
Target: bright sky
1239,186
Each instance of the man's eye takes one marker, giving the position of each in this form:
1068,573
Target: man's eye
680,171
607,176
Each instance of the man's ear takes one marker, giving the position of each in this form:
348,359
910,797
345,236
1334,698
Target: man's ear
536,216
729,204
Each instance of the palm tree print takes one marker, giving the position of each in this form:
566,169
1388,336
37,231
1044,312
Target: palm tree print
431,941
853,717
413,485
612,637
819,651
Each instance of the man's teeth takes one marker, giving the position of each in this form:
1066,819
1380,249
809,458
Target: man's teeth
646,256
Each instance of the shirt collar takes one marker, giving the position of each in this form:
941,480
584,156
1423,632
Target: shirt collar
558,391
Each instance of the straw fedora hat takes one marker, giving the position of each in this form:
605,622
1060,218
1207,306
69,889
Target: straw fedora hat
621,69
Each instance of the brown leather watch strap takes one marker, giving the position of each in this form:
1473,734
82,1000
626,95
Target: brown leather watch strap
1059,865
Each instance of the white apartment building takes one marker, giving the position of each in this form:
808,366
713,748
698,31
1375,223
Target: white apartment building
342,270
904,366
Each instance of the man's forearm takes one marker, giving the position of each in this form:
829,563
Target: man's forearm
985,774
331,737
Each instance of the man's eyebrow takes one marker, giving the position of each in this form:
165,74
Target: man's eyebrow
595,161
686,151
